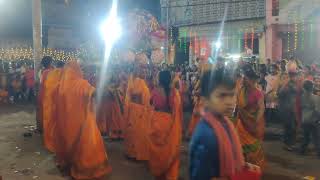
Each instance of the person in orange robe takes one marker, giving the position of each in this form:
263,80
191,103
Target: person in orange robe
46,63
50,105
166,130
116,117
137,114
3,95
79,145
110,116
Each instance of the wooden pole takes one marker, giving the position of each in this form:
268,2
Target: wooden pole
37,34
37,46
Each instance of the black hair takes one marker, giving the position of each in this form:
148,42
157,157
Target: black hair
60,64
214,78
275,66
308,86
165,81
46,61
249,72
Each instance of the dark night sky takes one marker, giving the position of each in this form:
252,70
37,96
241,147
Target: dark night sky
16,15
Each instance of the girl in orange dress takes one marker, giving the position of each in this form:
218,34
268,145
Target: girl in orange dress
137,117
166,130
79,145
250,122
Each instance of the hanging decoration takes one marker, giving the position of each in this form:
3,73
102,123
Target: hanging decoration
144,31
302,35
196,45
245,39
171,35
252,38
191,48
185,42
239,41
311,33
13,54
157,56
226,38
289,35
295,32
191,44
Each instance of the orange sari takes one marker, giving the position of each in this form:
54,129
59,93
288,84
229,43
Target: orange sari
49,107
250,128
79,144
39,114
110,116
165,141
137,114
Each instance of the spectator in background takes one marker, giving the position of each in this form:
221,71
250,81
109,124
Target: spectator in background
268,65
288,93
30,82
262,82
271,97
291,65
310,118
16,93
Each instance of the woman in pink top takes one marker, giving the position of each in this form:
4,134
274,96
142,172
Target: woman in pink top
160,94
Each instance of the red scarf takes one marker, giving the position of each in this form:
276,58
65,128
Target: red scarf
230,151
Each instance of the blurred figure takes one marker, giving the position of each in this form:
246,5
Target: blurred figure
30,83
250,119
79,146
310,118
165,129
16,89
271,93
288,93
50,105
46,64
137,114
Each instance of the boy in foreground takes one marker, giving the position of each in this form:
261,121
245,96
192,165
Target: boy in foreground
215,149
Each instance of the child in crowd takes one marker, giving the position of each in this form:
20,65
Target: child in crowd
215,149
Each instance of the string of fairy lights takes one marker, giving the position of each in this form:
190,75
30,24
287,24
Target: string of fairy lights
13,54
235,40
299,32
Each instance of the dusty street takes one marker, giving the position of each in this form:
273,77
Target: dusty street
24,158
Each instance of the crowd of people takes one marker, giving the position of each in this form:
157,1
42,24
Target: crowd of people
144,104
17,81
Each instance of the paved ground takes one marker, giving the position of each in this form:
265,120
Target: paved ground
24,158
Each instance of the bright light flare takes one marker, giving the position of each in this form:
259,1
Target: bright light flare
235,57
111,29
111,32
218,44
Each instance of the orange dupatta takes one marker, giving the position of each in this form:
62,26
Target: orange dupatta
49,104
230,153
137,115
79,143
165,141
